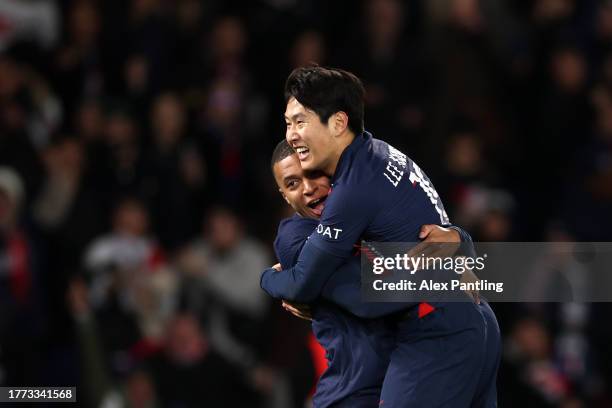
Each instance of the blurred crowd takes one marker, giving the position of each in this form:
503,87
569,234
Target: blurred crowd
137,207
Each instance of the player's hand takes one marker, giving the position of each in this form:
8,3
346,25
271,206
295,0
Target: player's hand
436,233
298,309
278,267
443,242
437,242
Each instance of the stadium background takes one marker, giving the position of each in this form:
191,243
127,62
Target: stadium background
137,207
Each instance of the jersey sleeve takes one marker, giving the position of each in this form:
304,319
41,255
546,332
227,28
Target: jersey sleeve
291,235
345,218
347,214
467,245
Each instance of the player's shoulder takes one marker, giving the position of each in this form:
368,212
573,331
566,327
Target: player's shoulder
292,233
296,223
294,229
372,162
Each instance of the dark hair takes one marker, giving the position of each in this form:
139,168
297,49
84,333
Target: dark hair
281,152
327,91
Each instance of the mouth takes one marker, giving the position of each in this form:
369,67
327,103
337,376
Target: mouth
303,152
317,205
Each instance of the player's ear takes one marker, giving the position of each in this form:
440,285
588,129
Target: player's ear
339,122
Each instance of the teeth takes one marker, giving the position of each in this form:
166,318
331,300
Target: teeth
316,202
301,149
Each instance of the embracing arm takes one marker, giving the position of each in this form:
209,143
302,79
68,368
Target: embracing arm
467,245
304,281
346,216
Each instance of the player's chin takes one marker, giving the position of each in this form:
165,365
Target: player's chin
308,163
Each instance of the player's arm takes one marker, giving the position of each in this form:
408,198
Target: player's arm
467,249
347,293
443,241
304,281
467,245
346,216
290,237
439,243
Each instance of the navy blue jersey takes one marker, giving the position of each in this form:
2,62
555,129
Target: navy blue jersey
357,350
291,236
341,288
378,194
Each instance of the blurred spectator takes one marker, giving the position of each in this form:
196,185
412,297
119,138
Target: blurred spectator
308,48
228,262
89,121
603,31
79,72
532,372
121,157
392,67
470,75
35,21
588,195
552,11
66,200
464,167
228,42
100,389
189,372
137,85
22,104
68,214
469,189
528,369
231,116
151,35
17,271
21,320
175,180
229,123
129,277
564,113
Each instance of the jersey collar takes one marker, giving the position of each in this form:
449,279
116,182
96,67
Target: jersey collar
347,156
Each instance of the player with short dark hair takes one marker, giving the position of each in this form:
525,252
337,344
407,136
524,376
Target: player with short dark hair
357,349
379,194
326,91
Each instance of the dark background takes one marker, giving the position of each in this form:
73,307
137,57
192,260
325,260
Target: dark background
137,207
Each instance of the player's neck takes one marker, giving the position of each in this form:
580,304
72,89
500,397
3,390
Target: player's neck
344,140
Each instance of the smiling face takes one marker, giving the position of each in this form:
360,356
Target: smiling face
304,191
313,140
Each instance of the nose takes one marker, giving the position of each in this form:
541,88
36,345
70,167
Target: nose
291,135
309,187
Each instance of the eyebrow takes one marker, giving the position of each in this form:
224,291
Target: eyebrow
290,177
295,116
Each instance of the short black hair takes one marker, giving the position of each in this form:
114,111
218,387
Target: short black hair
327,91
281,152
